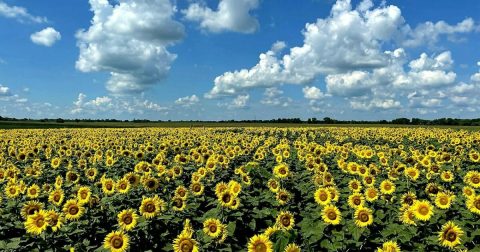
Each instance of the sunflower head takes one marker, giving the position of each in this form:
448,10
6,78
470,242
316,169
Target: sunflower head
127,219
450,235
73,210
116,241
285,220
363,217
212,227
260,243
423,210
389,246
331,215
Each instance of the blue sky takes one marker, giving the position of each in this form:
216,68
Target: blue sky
239,59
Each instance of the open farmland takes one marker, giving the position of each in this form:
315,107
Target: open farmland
240,189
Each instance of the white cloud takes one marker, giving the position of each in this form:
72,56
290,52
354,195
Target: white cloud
239,102
375,104
19,13
231,15
429,32
4,91
130,41
46,37
274,97
278,46
312,93
187,101
116,105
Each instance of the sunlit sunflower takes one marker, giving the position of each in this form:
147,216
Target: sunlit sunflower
83,194
412,173
12,191
447,176
387,187
108,186
444,200
468,191
363,216
282,197
273,185
354,185
285,220
260,243
55,163
181,192
36,223
407,216
450,235
422,209
281,171
473,204
197,188
331,215
116,241
91,174
322,196
178,204
54,220
184,241
33,191
73,210
56,196
127,219
371,194
30,208
389,246
292,247
123,186
212,227
356,200
151,207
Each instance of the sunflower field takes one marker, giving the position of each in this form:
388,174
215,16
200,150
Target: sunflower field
240,189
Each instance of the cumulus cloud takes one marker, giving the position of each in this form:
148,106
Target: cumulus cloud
231,15
19,13
4,91
239,102
187,101
46,37
312,93
116,105
429,32
274,97
129,40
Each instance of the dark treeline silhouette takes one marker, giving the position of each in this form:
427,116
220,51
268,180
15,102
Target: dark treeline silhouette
325,120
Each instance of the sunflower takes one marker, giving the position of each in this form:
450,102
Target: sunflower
54,220
407,216
56,196
108,186
235,204
260,243
36,223
450,235
363,216
91,173
472,178
33,191
220,188
422,209
30,208
150,183
285,220
369,181
292,247
281,171
356,200
354,185
408,198
282,197
197,188
83,194
444,200
270,231
212,227
178,204
132,178
127,219
387,187
447,176
468,191
123,186
432,189
371,194
235,187
12,191
151,207
73,210
181,192
389,246
116,241
322,196
184,241
72,177
273,185
55,163
331,215
412,173
473,204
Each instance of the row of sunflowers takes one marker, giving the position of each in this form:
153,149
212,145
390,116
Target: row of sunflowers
240,189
